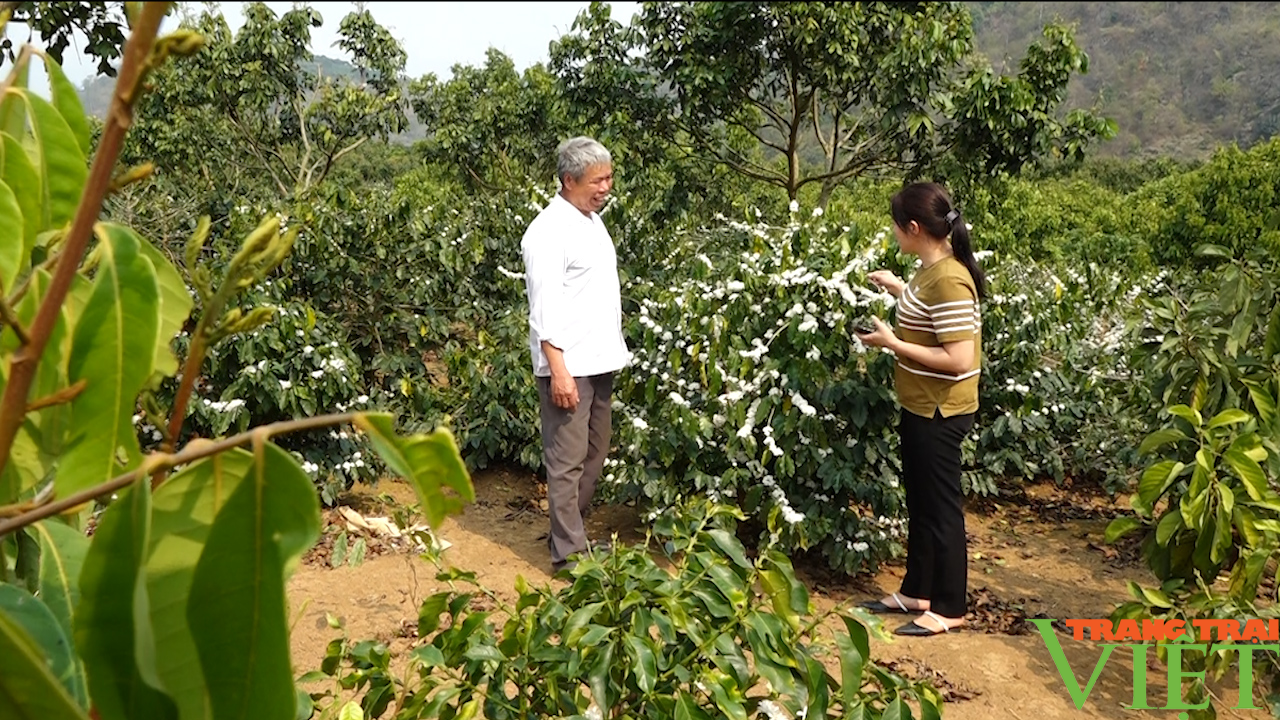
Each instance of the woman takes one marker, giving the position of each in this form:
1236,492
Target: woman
938,345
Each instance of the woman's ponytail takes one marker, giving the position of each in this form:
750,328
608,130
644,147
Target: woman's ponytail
962,247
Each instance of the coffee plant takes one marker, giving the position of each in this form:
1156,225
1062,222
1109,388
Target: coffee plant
702,631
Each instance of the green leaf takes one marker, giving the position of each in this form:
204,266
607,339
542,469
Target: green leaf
1248,470
48,636
687,707
598,678
854,653
430,611
13,249
1231,416
183,512
430,462
897,709
1186,413
578,620
1222,537
1246,522
1171,523
644,662
19,174
1212,250
41,440
726,694
112,348
1157,597
175,305
57,158
112,625
12,119
1160,438
730,546
1156,479
1120,527
62,553
28,690
1271,344
67,102
237,610
1262,399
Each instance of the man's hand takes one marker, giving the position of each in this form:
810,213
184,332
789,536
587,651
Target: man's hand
564,391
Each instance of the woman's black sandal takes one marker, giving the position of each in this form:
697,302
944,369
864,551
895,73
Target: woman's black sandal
876,606
914,629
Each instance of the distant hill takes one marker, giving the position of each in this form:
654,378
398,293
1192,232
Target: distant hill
1179,78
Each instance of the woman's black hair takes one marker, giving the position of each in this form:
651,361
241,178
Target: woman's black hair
929,205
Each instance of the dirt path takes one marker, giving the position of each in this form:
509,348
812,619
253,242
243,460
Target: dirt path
1039,556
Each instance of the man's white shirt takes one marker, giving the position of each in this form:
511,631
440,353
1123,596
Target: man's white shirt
571,282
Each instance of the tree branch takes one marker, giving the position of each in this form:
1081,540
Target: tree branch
328,165
165,461
756,134
257,151
26,359
66,394
850,168
752,171
773,115
305,167
834,155
817,130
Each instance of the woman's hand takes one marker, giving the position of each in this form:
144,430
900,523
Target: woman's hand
882,337
887,280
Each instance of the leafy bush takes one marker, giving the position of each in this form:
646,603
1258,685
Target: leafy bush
1207,502
718,634
1231,202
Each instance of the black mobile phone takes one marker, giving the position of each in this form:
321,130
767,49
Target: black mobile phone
864,327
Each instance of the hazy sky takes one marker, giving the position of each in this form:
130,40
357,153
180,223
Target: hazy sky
436,35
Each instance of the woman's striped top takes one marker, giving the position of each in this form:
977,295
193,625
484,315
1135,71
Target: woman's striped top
939,305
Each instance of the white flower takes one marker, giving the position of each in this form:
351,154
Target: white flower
773,710
791,516
285,384
795,206
639,424
317,373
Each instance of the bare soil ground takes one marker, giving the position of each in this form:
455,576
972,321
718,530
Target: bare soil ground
1037,555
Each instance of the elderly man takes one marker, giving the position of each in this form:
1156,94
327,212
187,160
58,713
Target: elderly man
575,336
